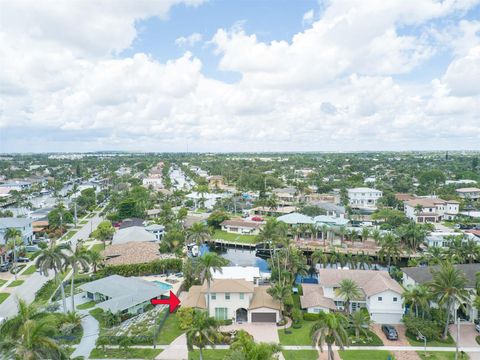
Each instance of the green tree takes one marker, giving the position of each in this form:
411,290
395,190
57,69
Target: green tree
390,249
330,330
417,297
207,264
202,332
360,322
245,348
13,238
348,291
279,292
104,232
96,259
216,218
198,233
78,258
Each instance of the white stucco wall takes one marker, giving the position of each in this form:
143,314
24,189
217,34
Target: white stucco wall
386,308
232,305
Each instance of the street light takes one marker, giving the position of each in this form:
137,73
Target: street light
424,338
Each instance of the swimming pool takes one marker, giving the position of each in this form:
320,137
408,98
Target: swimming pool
163,285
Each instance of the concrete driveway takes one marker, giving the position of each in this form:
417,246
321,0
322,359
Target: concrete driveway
402,339
467,337
264,332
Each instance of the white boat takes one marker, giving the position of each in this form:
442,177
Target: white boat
195,251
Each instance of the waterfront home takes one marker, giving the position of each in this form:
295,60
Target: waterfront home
157,230
380,294
295,219
444,238
133,234
126,295
24,225
247,273
363,198
423,210
241,227
419,275
133,253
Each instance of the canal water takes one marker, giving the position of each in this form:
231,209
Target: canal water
240,257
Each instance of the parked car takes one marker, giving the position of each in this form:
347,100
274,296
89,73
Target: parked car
31,248
23,259
5,266
390,332
477,327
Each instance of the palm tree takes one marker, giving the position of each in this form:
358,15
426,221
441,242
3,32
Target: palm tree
319,257
25,312
271,234
325,230
33,342
417,297
279,292
208,263
342,230
13,238
365,233
448,289
77,259
360,322
376,235
244,347
330,330
348,290
96,259
202,332
390,249
53,258
198,233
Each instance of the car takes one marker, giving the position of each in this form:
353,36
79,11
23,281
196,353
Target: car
31,248
23,259
5,266
477,327
390,332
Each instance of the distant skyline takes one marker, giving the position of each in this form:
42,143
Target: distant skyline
239,76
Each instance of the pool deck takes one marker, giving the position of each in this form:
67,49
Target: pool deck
177,281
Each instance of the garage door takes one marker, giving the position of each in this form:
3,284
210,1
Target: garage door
264,317
381,318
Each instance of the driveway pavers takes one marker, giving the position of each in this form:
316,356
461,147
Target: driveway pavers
261,332
402,339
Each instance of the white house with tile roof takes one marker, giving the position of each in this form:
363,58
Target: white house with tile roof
381,295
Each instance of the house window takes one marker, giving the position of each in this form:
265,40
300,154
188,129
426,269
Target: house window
227,296
221,313
380,298
395,299
214,296
241,296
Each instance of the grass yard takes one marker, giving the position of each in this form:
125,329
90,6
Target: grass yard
2,282
440,355
3,297
97,247
83,222
170,330
86,305
300,354
371,339
16,283
366,354
438,343
208,354
30,270
223,235
298,336
69,234
132,353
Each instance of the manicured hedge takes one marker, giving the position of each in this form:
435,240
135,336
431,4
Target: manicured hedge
154,267
310,317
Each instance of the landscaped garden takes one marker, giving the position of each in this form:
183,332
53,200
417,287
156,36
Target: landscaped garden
170,329
300,336
223,235
366,354
30,270
16,283
441,355
124,353
86,305
300,354
3,297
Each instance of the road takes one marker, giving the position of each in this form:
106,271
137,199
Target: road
34,282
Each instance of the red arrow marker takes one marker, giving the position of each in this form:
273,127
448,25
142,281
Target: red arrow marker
173,301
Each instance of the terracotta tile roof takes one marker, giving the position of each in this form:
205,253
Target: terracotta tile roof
313,297
228,285
262,299
195,298
425,202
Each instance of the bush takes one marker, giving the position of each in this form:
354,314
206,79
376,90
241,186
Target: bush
46,291
154,267
310,317
432,330
185,317
297,316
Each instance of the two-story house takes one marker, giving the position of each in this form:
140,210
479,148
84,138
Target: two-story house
471,193
24,225
364,198
423,210
236,299
380,294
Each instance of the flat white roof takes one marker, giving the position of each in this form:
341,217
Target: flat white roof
248,273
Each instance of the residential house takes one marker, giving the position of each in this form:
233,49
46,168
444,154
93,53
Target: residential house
22,224
471,193
16,185
241,227
206,200
330,209
443,238
157,230
380,294
265,210
364,198
287,195
247,273
154,181
125,295
295,219
133,234
423,210
419,275
133,253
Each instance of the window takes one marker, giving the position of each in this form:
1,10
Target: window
395,299
227,296
221,313
380,298
213,296
241,296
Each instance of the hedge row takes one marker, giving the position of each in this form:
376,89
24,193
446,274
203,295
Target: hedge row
151,268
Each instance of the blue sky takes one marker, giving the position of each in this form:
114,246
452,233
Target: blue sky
248,75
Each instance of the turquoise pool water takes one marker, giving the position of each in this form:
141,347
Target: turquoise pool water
162,285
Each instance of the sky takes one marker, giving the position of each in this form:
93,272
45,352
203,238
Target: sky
228,76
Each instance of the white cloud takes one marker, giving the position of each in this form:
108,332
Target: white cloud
308,17
332,86
190,40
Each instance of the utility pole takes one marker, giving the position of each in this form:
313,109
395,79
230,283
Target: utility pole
458,336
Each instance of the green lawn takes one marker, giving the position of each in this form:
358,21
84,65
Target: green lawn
86,305
365,354
2,282
97,247
223,235
3,296
208,354
298,336
83,222
30,270
170,330
440,355
69,234
448,342
132,353
300,354
15,283
370,339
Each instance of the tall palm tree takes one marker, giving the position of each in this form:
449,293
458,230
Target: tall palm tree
390,248
96,259
208,263
319,257
417,297
360,322
330,330
202,332
342,230
33,342
24,312
325,229
376,235
348,291
365,233
271,234
13,238
77,259
198,233
279,292
53,258
448,289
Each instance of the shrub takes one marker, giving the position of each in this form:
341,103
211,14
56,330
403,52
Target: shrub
310,317
185,317
154,267
297,316
46,291
432,330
